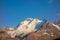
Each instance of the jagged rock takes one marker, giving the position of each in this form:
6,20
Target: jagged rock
5,36
57,22
47,32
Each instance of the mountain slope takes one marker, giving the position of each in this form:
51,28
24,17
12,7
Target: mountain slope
47,32
57,22
44,31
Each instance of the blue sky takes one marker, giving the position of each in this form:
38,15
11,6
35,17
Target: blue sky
14,11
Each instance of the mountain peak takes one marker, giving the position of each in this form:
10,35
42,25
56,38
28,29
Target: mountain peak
35,29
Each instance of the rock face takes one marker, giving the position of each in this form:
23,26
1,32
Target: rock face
4,35
25,27
57,22
46,32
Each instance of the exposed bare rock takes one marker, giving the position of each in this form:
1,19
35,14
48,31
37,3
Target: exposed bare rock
47,32
57,22
4,35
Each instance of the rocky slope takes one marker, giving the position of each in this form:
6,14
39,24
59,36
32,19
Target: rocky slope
47,32
57,22
4,35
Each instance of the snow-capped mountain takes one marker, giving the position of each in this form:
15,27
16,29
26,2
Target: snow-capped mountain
35,29
27,26
48,31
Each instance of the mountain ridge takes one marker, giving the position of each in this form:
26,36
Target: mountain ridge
46,31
